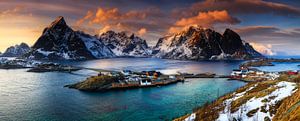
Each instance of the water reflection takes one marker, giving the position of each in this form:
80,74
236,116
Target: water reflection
41,96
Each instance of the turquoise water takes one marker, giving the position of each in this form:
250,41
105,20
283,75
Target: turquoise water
41,96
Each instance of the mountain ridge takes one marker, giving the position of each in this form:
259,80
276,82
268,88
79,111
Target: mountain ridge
16,51
198,43
59,41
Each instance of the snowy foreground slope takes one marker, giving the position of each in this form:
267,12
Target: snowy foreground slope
258,101
284,89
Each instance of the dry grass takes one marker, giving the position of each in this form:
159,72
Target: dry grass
285,110
252,112
260,90
289,109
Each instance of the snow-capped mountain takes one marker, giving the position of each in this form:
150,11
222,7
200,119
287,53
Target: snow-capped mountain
16,51
123,45
197,43
59,41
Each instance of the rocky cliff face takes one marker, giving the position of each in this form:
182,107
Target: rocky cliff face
123,45
197,43
16,51
59,41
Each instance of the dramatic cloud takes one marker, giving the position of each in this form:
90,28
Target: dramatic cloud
208,19
242,7
263,49
104,29
268,31
263,22
132,21
109,15
88,15
205,19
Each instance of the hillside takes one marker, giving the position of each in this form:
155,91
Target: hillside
256,101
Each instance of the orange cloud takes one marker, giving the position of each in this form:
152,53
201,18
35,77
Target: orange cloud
208,19
88,15
104,29
114,19
142,31
112,14
240,7
205,19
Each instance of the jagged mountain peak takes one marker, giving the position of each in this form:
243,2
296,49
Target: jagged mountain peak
59,25
198,43
193,29
59,41
59,21
229,32
125,44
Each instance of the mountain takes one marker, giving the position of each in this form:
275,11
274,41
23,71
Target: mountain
59,41
16,51
123,45
197,43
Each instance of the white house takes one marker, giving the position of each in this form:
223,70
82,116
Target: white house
145,82
236,72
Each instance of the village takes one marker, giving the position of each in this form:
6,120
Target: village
252,74
131,79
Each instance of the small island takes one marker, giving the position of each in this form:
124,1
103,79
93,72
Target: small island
126,79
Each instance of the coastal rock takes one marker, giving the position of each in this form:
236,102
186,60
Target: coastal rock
16,51
198,43
59,41
123,45
95,83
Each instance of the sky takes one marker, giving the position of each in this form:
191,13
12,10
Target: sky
271,26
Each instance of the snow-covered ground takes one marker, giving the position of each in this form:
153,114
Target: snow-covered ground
284,89
192,117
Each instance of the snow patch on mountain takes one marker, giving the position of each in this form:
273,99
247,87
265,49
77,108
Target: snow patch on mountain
16,51
197,43
96,47
59,41
123,45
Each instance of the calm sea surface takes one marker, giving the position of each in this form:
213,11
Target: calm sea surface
41,96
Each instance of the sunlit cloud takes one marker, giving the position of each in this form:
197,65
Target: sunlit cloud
104,29
142,31
205,19
268,31
263,49
24,21
241,7
131,21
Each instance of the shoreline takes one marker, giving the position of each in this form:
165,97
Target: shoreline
207,111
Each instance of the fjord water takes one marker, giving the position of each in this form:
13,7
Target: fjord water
41,96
